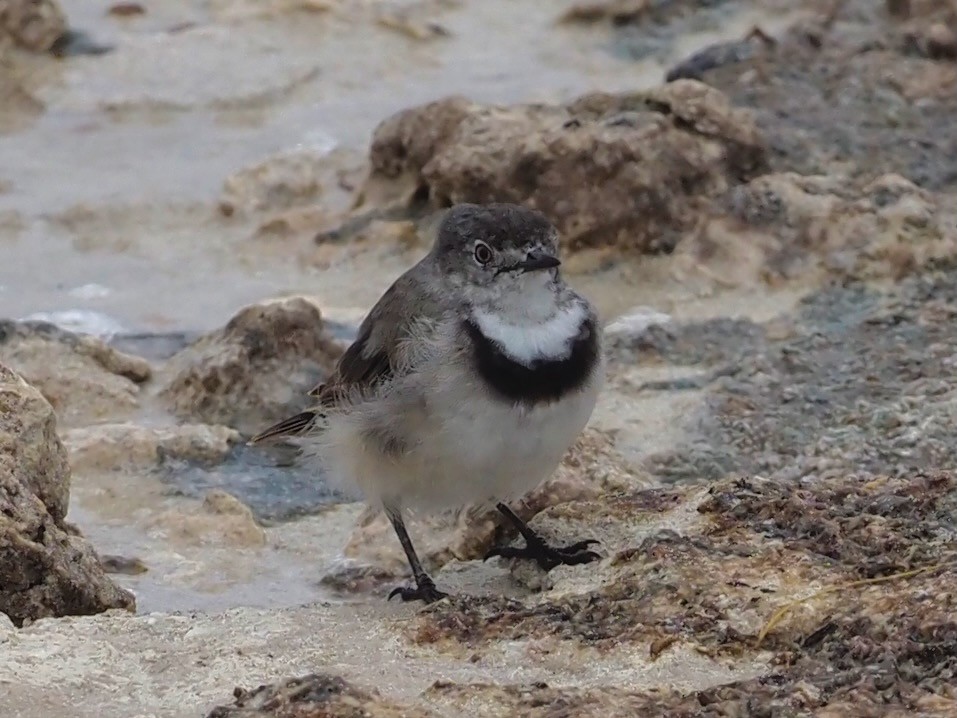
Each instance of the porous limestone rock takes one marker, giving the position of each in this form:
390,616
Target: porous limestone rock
256,369
624,170
46,568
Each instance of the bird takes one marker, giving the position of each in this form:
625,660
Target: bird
466,384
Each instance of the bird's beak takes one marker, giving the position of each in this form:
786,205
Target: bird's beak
538,260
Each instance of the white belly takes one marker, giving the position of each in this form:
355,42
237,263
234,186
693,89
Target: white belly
468,451
493,451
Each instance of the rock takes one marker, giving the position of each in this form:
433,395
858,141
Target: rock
231,11
784,226
634,324
126,9
755,44
277,183
591,466
129,566
46,569
35,25
615,11
75,43
256,369
935,41
113,447
84,378
222,519
405,142
414,21
628,171
300,221
313,696
854,92
30,443
898,8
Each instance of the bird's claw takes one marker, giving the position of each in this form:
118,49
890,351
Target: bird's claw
424,591
546,556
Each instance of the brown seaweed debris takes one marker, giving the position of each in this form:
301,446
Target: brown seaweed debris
849,584
872,526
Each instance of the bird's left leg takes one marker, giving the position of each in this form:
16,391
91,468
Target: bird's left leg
536,549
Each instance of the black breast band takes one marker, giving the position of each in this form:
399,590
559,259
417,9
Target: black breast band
545,380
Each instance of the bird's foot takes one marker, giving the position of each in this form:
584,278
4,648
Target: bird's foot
424,590
546,556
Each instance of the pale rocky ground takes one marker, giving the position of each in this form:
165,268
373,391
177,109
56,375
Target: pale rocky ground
775,268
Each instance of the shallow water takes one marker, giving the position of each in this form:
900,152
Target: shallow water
114,185
274,486
109,220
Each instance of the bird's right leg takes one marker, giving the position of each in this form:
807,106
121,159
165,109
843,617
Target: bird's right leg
425,589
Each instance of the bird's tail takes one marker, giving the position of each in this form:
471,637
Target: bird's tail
293,426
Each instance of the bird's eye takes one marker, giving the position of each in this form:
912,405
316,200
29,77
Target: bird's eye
483,255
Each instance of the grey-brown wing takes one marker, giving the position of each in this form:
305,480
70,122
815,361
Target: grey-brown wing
370,358
296,425
375,356
377,353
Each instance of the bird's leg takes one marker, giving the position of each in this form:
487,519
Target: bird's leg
536,549
425,589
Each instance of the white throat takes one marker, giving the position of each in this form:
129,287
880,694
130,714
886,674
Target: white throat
524,343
